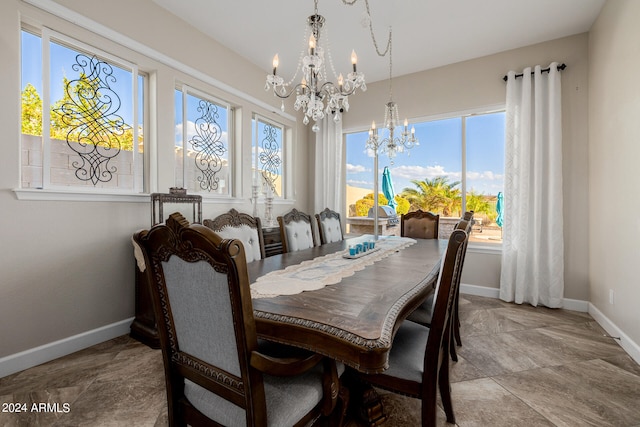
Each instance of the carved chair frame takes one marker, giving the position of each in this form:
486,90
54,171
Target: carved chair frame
325,214
293,215
233,218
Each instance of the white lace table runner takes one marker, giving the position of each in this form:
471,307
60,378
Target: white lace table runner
326,270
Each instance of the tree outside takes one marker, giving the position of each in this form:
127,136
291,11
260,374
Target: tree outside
66,119
436,195
31,111
363,205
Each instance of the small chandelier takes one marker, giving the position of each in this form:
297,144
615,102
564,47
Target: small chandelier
314,89
391,143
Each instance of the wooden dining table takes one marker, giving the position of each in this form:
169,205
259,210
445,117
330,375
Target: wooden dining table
354,320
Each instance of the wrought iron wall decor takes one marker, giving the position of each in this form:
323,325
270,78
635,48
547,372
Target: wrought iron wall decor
208,145
90,111
269,157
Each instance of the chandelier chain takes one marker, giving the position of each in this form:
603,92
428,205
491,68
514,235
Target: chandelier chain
387,49
390,67
298,68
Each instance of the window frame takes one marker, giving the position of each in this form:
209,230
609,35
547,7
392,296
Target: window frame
285,148
463,115
50,191
151,60
190,89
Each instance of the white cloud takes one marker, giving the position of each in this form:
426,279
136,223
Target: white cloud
355,168
191,133
486,175
421,172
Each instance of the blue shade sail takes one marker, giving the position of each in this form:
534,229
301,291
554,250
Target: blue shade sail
500,209
387,188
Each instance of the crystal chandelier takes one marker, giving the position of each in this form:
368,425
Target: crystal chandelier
315,95
389,143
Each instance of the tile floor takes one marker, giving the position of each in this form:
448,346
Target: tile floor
518,366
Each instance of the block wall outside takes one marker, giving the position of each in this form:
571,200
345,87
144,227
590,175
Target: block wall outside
63,171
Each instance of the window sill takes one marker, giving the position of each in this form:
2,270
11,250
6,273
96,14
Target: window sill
93,196
491,249
78,196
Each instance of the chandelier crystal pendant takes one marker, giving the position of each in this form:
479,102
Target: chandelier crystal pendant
315,95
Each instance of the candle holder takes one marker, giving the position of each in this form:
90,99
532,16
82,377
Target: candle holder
254,200
268,211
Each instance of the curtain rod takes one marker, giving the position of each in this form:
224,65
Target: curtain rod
546,70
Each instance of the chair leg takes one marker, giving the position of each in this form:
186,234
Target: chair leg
429,406
451,341
452,350
456,330
445,390
456,319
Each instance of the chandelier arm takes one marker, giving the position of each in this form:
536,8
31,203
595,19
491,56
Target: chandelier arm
324,86
287,95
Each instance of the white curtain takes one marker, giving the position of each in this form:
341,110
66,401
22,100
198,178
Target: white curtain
533,248
328,186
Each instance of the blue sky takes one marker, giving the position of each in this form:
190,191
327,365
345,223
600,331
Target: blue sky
439,153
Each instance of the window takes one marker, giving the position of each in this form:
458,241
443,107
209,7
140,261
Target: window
82,116
204,162
267,157
457,166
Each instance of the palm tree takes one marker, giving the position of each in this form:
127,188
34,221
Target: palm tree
480,204
436,195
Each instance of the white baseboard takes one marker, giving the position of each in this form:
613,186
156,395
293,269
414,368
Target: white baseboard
481,291
631,347
575,305
484,291
627,344
45,353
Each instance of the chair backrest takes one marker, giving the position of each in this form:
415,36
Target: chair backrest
202,303
296,231
468,216
329,226
419,224
439,335
466,226
241,226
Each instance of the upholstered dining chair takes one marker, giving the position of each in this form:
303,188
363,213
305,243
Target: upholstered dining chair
296,231
424,312
216,371
241,226
419,360
467,216
329,226
419,224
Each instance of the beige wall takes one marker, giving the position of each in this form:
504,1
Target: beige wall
66,267
614,153
478,83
